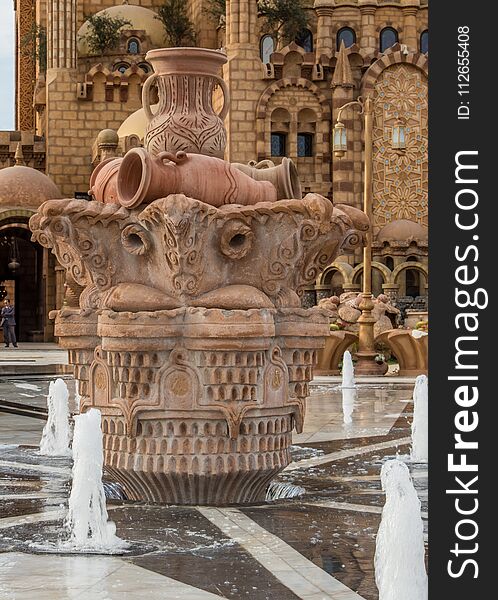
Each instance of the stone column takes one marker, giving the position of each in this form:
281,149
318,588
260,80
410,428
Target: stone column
410,37
242,74
368,38
324,38
61,42
241,24
61,100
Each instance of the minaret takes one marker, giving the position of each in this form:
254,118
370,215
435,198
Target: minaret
342,92
243,67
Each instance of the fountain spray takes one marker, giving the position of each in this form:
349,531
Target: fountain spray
399,555
56,434
347,371
420,438
87,520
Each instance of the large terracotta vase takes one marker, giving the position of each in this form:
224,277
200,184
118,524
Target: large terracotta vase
185,118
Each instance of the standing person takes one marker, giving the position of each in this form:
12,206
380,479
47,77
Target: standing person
8,316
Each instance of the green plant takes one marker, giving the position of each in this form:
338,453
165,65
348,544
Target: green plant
104,32
217,9
284,19
34,44
177,25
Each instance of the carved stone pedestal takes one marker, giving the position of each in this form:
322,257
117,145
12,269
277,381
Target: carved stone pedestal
197,404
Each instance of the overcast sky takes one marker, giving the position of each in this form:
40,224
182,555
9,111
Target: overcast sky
6,65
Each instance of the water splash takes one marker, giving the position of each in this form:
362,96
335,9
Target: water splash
87,521
420,437
56,435
282,491
347,371
399,555
348,399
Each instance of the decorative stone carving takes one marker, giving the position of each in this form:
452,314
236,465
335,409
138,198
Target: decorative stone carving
400,177
190,338
181,252
185,119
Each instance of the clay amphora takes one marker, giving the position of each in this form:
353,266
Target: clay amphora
143,178
104,181
185,119
284,176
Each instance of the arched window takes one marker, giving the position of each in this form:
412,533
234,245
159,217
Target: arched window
389,262
305,40
133,46
278,144
306,128
388,37
145,67
346,35
266,48
424,42
122,67
280,125
305,144
412,283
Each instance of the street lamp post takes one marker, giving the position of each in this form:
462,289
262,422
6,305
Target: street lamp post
366,353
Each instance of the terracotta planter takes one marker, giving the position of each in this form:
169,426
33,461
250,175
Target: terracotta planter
104,181
185,119
412,353
143,178
284,176
331,354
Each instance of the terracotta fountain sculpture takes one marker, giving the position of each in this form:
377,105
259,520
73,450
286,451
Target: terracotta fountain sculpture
184,322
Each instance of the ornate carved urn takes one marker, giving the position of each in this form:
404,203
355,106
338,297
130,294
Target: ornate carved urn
189,334
185,119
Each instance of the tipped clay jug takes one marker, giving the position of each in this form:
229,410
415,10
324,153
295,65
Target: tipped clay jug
143,178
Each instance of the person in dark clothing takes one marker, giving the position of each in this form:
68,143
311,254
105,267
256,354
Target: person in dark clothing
8,315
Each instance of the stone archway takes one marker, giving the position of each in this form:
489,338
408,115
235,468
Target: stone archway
27,277
376,266
410,266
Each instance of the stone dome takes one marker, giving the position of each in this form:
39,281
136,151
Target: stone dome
141,19
135,124
108,136
25,187
403,230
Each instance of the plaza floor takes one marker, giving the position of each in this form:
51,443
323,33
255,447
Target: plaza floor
317,546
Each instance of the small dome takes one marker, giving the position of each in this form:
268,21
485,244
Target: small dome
141,19
25,187
135,124
108,136
403,230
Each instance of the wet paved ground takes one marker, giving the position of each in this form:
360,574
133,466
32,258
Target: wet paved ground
315,547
